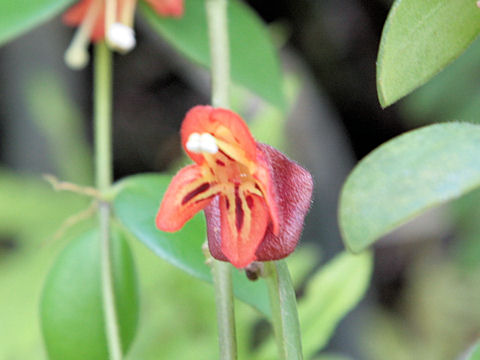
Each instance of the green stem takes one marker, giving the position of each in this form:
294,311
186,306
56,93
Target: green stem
103,180
219,51
222,280
220,65
284,310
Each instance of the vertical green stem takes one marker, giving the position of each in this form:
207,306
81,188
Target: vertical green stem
284,310
219,51
222,280
103,116
220,64
103,180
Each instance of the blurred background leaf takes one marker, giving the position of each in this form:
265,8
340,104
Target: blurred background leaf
61,123
17,17
419,39
330,294
253,58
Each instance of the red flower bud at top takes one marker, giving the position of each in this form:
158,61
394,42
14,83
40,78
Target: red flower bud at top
110,19
255,198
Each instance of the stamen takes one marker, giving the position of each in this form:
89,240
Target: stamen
76,55
121,37
193,143
236,154
128,12
202,143
208,143
110,13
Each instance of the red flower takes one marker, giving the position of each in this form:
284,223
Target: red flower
255,199
91,16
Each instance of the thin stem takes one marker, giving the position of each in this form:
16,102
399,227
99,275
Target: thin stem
222,280
219,51
103,177
103,117
220,64
284,310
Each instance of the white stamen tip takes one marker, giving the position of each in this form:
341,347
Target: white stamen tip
193,143
76,57
121,37
208,143
199,143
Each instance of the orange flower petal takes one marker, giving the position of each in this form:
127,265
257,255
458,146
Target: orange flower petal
222,124
75,14
172,8
244,220
188,193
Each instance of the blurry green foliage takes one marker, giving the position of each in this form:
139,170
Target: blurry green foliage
330,294
437,314
19,16
31,213
61,123
253,59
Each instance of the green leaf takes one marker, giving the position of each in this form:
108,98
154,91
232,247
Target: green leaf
253,59
407,176
136,204
331,293
19,16
71,306
419,39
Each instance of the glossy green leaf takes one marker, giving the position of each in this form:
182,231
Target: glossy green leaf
253,59
136,204
19,16
407,176
71,306
419,39
330,294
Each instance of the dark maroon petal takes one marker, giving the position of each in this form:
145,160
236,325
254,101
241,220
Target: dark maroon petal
293,189
212,214
294,186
